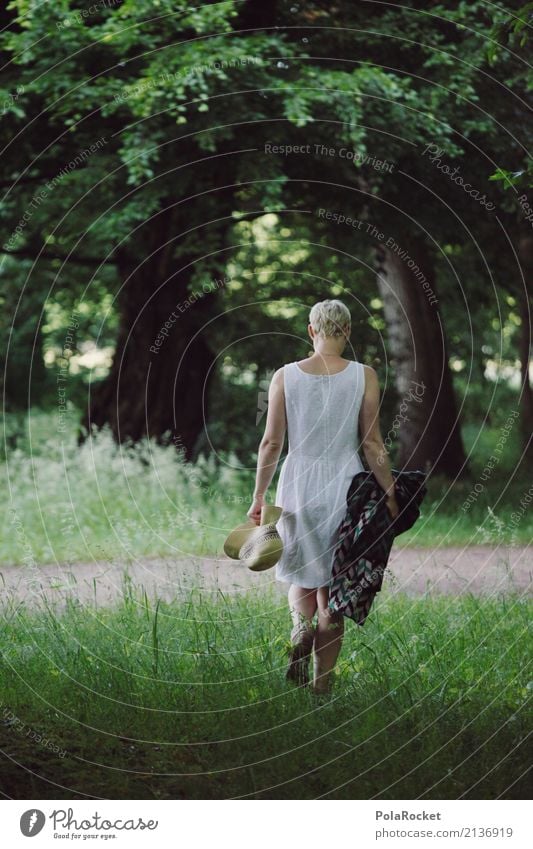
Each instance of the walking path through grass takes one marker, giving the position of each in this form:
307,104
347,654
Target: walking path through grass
480,570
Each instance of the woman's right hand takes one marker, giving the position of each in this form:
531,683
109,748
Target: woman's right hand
254,512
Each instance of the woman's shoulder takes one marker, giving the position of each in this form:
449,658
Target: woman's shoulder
371,380
287,367
278,376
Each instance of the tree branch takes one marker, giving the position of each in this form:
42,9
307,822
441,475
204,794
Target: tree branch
81,260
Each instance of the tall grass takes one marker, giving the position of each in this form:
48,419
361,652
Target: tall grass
189,700
102,502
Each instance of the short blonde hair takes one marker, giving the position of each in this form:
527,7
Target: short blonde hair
330,317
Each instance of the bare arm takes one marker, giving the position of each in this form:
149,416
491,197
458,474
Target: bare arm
371,439
271,444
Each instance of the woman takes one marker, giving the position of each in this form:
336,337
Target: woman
320,401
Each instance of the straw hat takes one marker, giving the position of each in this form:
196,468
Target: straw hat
258,547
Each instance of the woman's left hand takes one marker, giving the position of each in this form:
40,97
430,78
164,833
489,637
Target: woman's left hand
255,510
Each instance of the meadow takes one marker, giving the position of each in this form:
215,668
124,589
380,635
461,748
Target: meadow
68,503
188,700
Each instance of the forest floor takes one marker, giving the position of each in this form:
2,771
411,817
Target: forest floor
480,570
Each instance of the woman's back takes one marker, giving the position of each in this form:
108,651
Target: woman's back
322,412
322,402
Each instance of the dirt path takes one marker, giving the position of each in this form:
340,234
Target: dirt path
482,570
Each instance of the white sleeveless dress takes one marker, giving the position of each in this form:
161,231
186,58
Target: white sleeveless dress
322,426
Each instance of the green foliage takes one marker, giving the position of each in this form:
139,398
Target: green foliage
510,30
178,103
510,179
508,53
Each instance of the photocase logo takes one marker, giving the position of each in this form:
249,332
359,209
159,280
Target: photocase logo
32,822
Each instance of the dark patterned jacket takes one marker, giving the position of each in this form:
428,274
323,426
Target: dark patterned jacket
365,539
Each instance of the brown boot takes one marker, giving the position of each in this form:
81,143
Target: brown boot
302,637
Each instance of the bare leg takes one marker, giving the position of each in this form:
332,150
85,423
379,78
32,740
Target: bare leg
328,642
302,605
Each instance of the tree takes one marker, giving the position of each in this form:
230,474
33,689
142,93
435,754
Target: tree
176,110
151,94
428,89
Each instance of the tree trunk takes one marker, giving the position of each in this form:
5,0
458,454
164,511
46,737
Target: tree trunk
525,253
162,362
428,430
